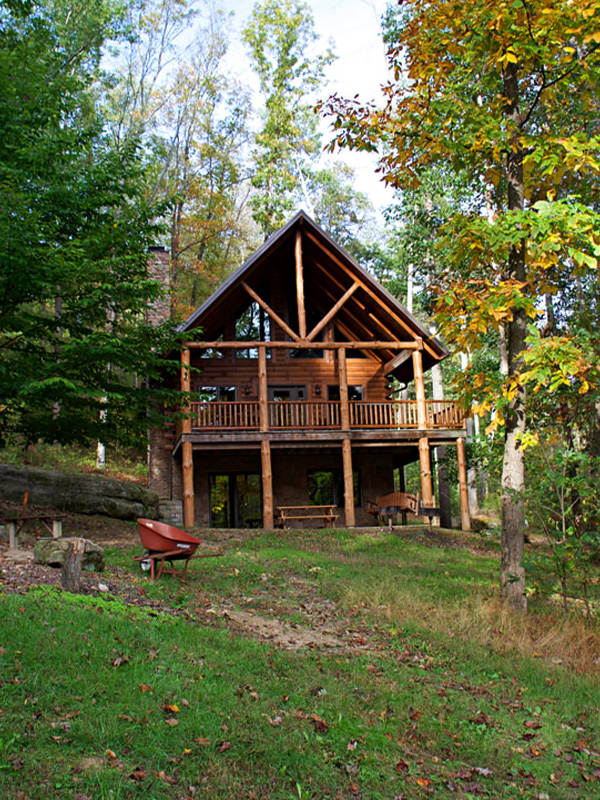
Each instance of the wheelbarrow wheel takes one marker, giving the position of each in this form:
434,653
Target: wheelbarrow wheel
146,564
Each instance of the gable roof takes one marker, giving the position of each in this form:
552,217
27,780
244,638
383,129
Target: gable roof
371,313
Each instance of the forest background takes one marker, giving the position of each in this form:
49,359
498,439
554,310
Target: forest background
122,127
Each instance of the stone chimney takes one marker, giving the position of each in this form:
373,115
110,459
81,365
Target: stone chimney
158,270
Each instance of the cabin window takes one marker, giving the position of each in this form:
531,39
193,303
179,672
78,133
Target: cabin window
211,352
252,325
350,351
307,353
208,394
285,393
313,317
235,500
354,393
326,486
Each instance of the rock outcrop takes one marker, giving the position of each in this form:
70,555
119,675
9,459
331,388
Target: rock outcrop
82,494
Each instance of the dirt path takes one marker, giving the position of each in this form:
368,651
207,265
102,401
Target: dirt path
325,628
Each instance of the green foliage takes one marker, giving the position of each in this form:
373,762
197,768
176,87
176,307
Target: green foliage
125,701
74,237
342,211
562,501
281,38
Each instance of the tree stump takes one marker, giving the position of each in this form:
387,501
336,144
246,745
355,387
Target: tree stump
71,570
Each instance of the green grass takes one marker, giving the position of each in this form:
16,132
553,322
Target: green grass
443,694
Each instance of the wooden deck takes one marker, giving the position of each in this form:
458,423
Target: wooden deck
323,415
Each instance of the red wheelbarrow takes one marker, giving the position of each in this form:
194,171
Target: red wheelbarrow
164,542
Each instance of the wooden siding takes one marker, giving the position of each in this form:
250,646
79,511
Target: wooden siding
285,371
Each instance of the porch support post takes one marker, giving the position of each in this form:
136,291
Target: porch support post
343,378
348,483
265,445
417,360
267,483
462,485
187,456
425,465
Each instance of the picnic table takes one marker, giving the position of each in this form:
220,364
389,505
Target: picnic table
16,522
326,513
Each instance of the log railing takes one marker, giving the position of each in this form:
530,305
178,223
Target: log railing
322,415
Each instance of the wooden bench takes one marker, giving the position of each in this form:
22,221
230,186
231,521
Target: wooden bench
325,513
16,523
388,506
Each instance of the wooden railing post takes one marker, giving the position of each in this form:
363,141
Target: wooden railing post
187,455
417,359
343,378
263,405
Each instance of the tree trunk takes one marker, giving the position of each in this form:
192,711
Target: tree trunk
512,572
71,570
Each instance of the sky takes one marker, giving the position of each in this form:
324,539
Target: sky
354,31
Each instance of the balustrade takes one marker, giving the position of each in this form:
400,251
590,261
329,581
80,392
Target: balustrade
322,415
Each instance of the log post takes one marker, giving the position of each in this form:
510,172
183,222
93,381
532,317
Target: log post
462,485
187,457
71,571
265,445
263,403
267,483
417,359
348,483
343,379
426,479
300,287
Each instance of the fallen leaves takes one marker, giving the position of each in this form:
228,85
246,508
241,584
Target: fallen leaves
166,778
275,722
119,659
319,724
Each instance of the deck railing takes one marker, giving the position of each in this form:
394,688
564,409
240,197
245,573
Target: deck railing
322,415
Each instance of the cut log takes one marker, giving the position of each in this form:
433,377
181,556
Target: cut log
71,570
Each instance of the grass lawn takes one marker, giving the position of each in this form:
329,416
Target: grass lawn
301,664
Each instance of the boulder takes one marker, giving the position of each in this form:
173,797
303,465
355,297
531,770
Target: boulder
82,494
52,552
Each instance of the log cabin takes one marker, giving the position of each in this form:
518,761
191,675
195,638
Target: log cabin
293,372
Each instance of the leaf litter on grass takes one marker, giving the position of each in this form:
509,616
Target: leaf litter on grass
384,706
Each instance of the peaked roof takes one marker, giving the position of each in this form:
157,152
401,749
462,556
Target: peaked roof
371,313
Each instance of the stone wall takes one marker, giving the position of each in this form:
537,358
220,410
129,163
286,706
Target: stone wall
158,270
83,494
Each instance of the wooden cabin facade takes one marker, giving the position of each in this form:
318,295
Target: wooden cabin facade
294,392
